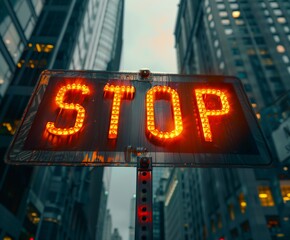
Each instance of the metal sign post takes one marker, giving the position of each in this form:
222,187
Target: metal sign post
144,220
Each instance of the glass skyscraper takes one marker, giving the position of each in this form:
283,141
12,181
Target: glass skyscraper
52,202
249,39
17,21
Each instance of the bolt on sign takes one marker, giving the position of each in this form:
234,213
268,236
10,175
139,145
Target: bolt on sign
109,119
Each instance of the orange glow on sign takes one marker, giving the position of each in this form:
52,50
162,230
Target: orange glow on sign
50,126
204,112
119,92
178,125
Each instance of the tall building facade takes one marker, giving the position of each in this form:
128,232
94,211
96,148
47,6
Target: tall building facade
132,218
116,235
18,19
158,206
107,230
52,202
249,39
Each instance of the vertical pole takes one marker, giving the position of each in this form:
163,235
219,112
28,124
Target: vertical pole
143,221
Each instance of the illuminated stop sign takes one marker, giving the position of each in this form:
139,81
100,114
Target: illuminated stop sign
103,118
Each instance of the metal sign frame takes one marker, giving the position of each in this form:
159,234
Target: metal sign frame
127,155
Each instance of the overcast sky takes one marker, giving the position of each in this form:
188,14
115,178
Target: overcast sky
148,43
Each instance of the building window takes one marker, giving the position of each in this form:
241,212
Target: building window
281,20
219,53
7,237
263,51
248,88
228,31
32,214
209,17
260,40
242,203
13,42
273,29
240,22
274,5
268,61
216,43
239,63
226,22
247,40
52,24
285,59
221,6
234,6
245,226
285,191
234,233
263,5
276,38
231,211
212,223
277,12
220,223
251,51
270,20
286,29
275,80
223,14
265,196
280,49
242,75
236,14
208,10
236,51
273,224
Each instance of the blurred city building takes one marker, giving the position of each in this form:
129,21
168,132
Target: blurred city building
157,175
52,202
107,231
249,39
116,235
158,204
132,218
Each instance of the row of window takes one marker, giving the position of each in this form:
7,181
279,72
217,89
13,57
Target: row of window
280,19
266,200
266,197
266,60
